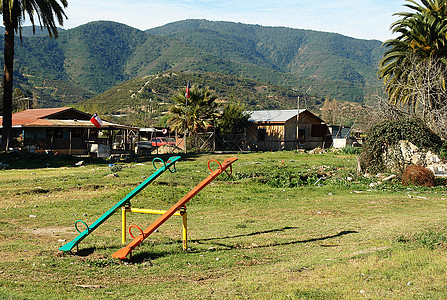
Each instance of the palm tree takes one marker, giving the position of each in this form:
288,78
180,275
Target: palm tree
14,13
194,114
422,37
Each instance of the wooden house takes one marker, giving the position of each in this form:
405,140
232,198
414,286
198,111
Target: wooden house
68,131
272,130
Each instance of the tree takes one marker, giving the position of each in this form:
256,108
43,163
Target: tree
422,36
14,13
231,127
194,114
425,82
234,119
378,151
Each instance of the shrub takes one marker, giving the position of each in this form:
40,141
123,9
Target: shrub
388,133
115,168
350,150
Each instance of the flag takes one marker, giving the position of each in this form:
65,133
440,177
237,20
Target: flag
188,86
96,120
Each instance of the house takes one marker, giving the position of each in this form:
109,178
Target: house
271,130
66,130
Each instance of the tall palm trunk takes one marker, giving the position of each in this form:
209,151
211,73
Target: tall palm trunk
14,11
8,75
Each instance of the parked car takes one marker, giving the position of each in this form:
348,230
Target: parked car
171,142
162,141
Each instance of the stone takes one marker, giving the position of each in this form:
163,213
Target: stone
388,178
405,153
112,175
374,184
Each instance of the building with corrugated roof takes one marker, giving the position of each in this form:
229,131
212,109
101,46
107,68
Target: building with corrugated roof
272,130
67,130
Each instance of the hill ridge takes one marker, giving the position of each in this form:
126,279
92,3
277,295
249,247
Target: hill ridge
94,57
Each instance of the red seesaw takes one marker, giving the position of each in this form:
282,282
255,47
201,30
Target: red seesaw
123,252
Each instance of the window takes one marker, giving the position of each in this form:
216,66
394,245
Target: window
262,132
319,130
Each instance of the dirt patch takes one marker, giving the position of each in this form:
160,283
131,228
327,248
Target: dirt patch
51,231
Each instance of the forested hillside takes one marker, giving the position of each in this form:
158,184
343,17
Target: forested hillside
95,57
339,66
145,101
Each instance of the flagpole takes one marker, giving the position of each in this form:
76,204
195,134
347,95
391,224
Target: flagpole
186,115
184,130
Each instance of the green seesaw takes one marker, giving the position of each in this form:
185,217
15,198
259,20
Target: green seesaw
89,229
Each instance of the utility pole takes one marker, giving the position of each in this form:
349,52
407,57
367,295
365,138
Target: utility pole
298,124
298,119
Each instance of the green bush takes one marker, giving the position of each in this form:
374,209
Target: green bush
350,150
388,133
115,168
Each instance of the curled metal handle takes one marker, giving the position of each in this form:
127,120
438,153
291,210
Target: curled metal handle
135,226
220,166
80,221
174,170
158,158
230,172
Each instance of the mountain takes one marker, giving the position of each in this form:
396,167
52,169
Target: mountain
324,59
38,31
145,101
301,52
93,58
156,90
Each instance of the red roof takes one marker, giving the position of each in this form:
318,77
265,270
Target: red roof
57,117
36,116
39,113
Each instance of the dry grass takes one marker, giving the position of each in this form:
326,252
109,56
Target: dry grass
247,239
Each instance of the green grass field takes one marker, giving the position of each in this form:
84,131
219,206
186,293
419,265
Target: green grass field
284,226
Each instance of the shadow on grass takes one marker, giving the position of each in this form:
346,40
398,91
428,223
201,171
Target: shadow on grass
229,246
242,235
147,256
84,252
26,160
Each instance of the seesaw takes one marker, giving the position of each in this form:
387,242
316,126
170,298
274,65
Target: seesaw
89,229
125,251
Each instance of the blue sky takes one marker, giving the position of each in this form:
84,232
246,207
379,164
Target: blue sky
365,19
